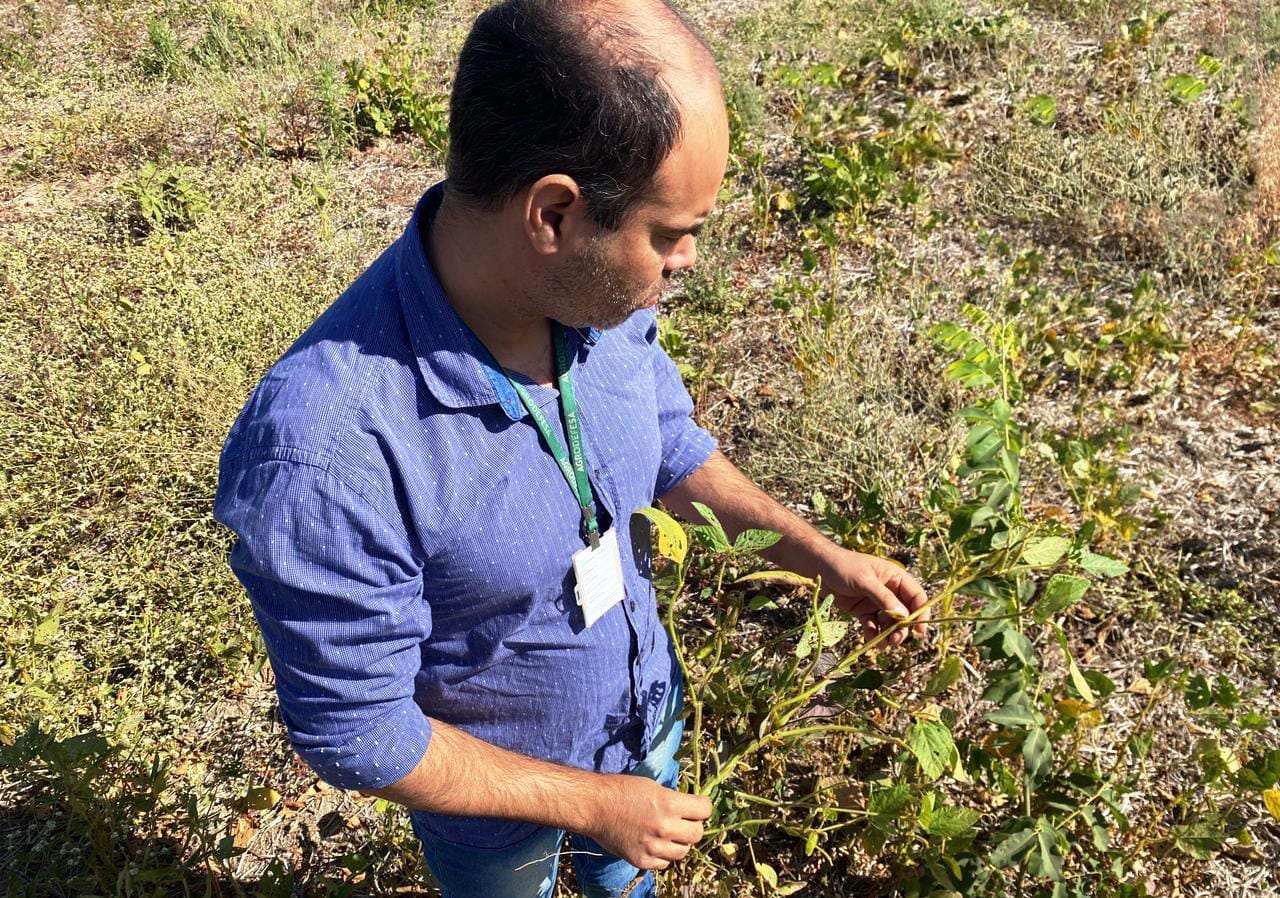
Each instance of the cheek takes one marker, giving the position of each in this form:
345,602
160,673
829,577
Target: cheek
642,264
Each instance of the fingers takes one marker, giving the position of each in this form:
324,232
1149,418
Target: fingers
869,628
684,832
912,595
890,607
662,855
867,610
691,807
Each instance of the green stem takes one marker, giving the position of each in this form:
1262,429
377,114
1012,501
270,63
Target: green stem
1120,755
787,708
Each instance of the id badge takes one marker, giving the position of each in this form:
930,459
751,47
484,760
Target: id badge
597,575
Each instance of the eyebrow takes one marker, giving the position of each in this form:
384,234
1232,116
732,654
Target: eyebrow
693,230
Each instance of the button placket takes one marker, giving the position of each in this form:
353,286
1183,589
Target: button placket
610,497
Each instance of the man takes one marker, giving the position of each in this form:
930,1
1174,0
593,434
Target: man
452,588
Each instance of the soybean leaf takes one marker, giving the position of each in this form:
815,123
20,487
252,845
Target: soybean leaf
930,741
1045,551
946,676
1012,846
1101,565
885,805
761,602
672,541
1198,694
711,537
1016,645
1041,109
1045,857
1155,671
1199,840
1061,592
949,822
982,442
1185,88
1101,684
831,631
750,542
768,874
261,798
1017,712
867,678
1271,801
1037,756
968,374
1261,772
710,517
1225,693
1077,678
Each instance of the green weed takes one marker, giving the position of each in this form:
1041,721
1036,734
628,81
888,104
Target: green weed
164,199
162,57
389,96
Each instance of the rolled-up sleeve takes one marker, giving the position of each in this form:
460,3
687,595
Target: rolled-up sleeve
685,445
338,595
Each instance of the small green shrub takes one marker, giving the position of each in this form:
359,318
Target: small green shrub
162,57
390,97
164,199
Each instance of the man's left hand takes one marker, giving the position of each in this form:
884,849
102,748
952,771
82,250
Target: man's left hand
874,590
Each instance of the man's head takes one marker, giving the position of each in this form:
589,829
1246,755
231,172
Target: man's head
595,135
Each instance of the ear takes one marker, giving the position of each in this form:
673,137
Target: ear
554,210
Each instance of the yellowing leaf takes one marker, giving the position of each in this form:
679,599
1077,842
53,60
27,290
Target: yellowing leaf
243,832
1085,714
830,632
1081,684
1271,799
673,544
261,798
780,578
767,873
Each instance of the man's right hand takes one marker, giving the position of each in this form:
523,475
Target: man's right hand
631,816
647,824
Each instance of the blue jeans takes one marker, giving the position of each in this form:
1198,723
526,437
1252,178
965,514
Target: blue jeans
527,868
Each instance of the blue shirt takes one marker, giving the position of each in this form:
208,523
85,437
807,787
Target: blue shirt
405,536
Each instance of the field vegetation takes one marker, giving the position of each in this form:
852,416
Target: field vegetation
993,290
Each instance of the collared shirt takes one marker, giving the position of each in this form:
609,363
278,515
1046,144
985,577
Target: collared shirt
405,536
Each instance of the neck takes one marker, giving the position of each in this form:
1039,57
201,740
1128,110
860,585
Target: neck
468,257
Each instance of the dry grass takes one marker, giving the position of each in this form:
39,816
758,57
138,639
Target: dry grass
814,380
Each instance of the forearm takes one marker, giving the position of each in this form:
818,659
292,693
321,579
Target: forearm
741,505
460,774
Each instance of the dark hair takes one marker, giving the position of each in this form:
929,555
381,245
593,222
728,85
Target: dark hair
543,88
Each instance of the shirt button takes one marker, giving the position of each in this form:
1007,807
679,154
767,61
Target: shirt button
632,603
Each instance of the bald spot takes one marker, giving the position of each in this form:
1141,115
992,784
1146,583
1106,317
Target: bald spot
649,34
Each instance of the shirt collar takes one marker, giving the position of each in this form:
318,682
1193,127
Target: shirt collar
458,369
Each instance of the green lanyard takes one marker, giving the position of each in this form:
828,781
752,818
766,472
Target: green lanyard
575,470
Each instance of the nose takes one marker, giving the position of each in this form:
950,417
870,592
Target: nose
683,255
